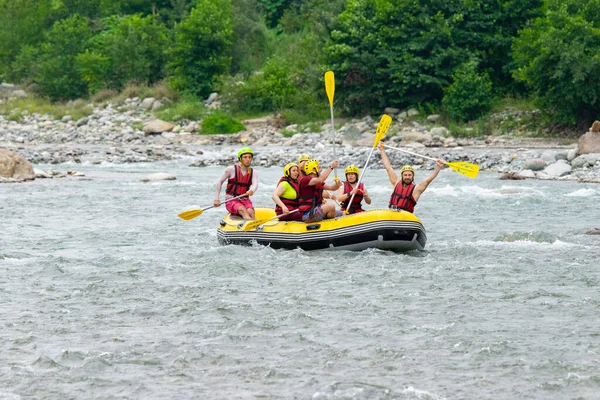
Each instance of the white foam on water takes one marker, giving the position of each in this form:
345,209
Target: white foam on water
421,394
582,193
558,244
443,191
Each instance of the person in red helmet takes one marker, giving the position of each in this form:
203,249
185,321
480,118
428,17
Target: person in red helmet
241,180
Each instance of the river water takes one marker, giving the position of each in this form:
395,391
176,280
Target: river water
105,293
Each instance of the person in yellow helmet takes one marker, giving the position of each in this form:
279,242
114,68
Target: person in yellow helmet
285,195
302,161
311,193
406,193
350,188
241,180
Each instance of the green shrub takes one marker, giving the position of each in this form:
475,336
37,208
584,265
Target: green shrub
470,95
221,123
187,109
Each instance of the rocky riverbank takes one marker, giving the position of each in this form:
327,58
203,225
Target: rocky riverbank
129,133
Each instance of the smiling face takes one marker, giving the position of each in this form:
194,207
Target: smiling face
294,173
246,159
407,177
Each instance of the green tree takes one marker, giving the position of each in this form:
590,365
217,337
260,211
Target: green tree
470,95
558,56
250,39
202,48
22,23
57,73
403,52
134,47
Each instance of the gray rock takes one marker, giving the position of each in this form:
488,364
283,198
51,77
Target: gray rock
535,164
147,103
585,160
572,154
391,111
559,168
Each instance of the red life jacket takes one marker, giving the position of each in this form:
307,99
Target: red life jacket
291,204
358,198
402,197
239,184
309,196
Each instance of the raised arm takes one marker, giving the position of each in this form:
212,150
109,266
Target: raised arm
387,165
421,186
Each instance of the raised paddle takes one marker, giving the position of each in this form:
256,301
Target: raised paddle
464,168
330,89
191,214
382,128
252,225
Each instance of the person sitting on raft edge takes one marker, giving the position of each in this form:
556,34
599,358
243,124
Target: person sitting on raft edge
241,179
406,193
285,195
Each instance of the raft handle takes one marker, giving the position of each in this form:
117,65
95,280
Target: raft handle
222,223
312,227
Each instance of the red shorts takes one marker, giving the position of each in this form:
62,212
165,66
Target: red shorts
234,205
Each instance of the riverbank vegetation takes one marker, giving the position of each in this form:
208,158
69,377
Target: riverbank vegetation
459,58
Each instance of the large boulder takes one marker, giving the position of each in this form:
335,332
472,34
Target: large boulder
589,143
15,167
157,126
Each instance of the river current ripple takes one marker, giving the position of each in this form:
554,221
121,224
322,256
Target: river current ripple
105,293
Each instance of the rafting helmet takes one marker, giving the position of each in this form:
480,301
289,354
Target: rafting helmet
351,169
407,168
311,167
245,150
287,170
303,157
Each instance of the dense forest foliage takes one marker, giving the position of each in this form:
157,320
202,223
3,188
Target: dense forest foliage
453,56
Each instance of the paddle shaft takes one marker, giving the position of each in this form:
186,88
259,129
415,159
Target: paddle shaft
255,224
410,152
225,201
333,135
360,177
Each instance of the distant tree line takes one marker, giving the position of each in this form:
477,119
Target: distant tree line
270,55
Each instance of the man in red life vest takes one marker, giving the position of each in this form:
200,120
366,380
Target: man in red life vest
406,193
350,188
241,179
310,197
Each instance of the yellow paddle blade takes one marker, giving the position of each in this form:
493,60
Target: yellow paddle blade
252,225
464,168
190,214
382,128
330,86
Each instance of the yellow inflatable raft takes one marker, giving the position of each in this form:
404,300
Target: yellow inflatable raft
381,229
